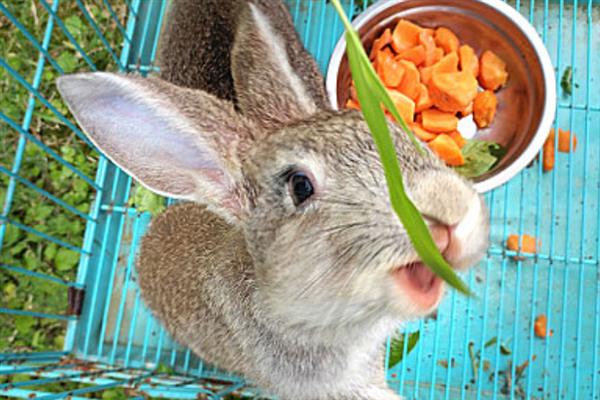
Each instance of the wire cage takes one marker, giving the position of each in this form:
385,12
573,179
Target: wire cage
73,325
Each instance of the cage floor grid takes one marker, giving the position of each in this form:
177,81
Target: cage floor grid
474,346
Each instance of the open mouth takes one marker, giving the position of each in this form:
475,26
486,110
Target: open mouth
420,283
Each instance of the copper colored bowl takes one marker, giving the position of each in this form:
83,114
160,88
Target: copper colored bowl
526,104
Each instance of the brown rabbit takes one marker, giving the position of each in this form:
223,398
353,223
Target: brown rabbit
289,266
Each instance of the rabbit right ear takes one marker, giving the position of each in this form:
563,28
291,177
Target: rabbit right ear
178,142
276,80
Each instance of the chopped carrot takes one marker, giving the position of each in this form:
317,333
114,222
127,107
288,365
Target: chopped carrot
428,43
446,39
468,59
457,137
548,152
352,104
492,71
405,35
415,55
438,53
426,73
527,245
411,81
467,110
379,43
424,101
405,105
353,94
452,91
381,59
422,133
392,72
564,141
438,121
448,63
447,149
540,327
484,108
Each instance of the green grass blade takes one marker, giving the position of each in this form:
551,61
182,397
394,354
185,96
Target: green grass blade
371,94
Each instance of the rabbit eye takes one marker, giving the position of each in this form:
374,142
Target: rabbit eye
300,186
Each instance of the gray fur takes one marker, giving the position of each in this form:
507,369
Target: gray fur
297,299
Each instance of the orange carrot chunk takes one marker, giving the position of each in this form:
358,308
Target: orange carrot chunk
424,101
527,245
548,152
492,71
468,59
422,133
392,72
447,149
565,141
446,39
352,104
484,108
405,35
416,55
410,85
438,121
467,110
457,137
452,91
431,53
425,73
379,43
540,327
381,59
448,63
405,105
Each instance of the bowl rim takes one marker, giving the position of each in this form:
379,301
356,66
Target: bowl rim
521,23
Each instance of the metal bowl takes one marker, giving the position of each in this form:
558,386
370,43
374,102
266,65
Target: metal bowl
526,104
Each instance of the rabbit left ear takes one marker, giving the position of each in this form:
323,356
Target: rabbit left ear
276,80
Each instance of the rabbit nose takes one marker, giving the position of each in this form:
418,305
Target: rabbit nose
442,235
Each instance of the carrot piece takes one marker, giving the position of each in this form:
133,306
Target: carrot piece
457,137
415,55
448,63
424,101
422,133
446,39
352,104
527,245
564,141
381,59
540,327
492,71
353,94
379,43
439,121
484,108
426,73
392,72
468,59
447,150
405,35
405,105
428,43
467,110
548,152
438,54
452,91
411,81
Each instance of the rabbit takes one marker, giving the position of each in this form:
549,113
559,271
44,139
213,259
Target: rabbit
286,263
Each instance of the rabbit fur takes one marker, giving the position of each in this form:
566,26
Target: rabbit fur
296,298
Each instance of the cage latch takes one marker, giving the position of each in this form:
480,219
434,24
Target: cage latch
75,298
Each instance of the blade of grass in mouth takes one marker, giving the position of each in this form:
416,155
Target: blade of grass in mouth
371,94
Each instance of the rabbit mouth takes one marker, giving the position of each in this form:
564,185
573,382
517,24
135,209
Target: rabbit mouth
420,284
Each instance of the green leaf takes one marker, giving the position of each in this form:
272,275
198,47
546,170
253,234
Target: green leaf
24,323
66,259
67,61
164,369
480,156
145,200
397,347
371,93
114,394
50,251
566,82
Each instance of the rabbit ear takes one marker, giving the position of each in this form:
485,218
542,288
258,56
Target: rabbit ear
276,80
178,142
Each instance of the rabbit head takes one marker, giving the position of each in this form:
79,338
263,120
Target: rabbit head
303,183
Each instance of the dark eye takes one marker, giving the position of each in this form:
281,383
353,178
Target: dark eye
301,188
